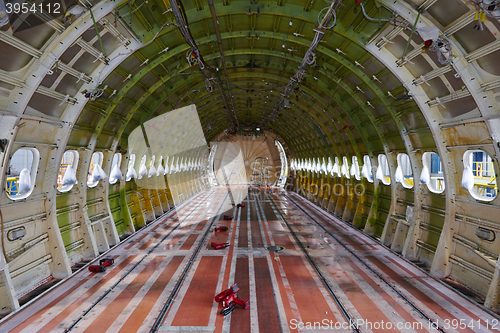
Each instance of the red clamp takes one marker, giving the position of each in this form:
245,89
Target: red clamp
228,217
220,296
103,263
223,228
229,298
220,246
106,261
97,268
233,298
240,205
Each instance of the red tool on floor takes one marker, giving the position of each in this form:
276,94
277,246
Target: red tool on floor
228,217
240,205
97,268
103,263
233,298
223,228
229,298
106,261
220,296
220,246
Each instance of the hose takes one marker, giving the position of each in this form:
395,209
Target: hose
391,20
3,240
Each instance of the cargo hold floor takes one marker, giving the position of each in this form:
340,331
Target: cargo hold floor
318,275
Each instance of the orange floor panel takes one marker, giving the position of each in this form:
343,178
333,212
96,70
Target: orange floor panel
197,302
166,275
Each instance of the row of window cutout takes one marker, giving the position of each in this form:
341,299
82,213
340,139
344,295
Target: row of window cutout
24,163
478,175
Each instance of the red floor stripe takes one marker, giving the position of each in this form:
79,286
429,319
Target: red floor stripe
173,242
268,317
310,301
415,292
435,290
201,225
225,281
391,301
360,300
283,291
243,235
256,234
109,313
38,314
135,242
240,318
150,241
51,325
189,242
197,303
140,313
276,226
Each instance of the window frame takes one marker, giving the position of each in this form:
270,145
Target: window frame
144,160
130,164
400,164
89,174
357,173
468,160
113,181
74,165
345,165
33,172
382,159
368,161
427,160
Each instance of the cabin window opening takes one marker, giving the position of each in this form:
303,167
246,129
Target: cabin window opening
21,174
143,170
432,172
366,170
131,173
345,168
355,168
284,164
66,177
336,167
152,169
160,169
404,174
95,170
115,174
383,173
479,175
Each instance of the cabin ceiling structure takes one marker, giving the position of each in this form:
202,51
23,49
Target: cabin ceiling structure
372,87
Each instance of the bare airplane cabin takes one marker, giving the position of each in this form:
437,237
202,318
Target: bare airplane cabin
236,166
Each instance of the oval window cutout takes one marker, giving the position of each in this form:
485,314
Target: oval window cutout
479,175
485,234
16,234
